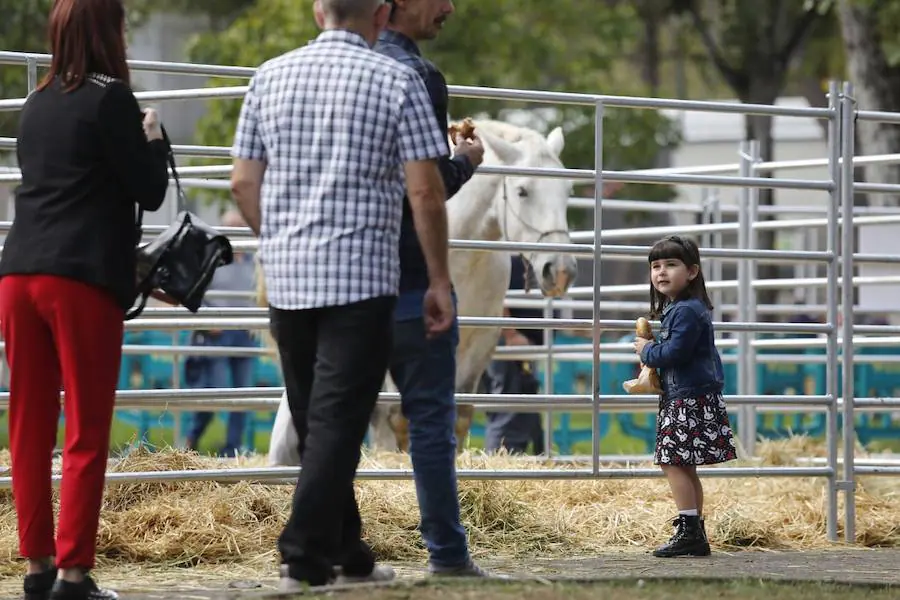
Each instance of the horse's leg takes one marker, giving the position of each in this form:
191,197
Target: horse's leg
382,437
465,413
387,432
284,445
400,426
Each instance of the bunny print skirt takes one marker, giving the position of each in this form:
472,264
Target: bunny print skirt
693,431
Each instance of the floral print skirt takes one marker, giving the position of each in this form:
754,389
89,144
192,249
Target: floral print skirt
694,431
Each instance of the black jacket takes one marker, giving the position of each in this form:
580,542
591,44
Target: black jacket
85,164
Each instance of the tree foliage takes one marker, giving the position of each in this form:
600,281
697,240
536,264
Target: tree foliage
23,28
545,45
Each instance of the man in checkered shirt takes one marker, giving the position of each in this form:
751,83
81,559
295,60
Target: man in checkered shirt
327,135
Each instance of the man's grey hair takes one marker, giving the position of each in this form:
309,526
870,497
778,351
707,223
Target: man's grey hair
341,11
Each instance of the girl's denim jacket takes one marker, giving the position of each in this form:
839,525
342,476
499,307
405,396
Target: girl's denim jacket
685,352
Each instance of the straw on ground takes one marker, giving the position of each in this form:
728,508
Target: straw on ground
206,523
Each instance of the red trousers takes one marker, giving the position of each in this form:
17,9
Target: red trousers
59,333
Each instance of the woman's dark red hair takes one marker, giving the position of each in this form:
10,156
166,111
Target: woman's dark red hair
86,36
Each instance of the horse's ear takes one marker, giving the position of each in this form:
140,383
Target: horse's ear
505,151
557,141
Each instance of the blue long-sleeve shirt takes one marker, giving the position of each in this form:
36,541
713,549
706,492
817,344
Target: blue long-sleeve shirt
455,171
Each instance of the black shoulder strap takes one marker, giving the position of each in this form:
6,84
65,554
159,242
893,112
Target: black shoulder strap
170,158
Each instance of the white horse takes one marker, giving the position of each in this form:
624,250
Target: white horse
490,208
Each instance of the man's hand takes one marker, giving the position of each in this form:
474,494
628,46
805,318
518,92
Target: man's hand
439,311
472,149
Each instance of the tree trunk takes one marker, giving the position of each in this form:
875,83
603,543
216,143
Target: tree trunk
759,128
876,87
651,54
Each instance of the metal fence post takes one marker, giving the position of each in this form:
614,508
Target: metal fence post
831,300
31,65
746,413
595,329
717,242
847,245
752,244
548,379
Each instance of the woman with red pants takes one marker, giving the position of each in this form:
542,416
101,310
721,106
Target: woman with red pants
67,276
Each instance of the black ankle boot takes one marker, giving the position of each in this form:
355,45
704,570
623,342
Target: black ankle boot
689,539
38,585
83,590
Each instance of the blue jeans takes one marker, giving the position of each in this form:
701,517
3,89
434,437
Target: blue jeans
424,371
221,372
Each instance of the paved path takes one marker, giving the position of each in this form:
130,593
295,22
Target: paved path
839,565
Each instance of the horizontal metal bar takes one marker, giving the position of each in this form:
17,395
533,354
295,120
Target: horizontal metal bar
262,396
208,93
141,349
780,165
252,323
876,470
488,93
636,205
719,181
562,353
589,174
206,312
728,284
776,256
655,232
878,116
818,342
876,403
580,250
170,68
876,188
641,306
289,475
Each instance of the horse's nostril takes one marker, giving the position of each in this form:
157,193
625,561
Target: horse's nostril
547,271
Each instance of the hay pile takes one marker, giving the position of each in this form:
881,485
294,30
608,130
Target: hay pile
199,523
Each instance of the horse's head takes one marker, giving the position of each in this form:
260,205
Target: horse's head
532,209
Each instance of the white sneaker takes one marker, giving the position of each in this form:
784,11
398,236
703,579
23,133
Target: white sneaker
286,583
380,573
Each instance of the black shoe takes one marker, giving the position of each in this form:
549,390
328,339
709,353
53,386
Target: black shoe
84,590
689,539
38,585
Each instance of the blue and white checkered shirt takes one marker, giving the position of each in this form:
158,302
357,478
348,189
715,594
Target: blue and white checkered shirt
334,122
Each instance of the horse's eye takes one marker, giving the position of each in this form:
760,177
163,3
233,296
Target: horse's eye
522,192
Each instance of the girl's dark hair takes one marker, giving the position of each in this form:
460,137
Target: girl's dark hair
685,250
86,36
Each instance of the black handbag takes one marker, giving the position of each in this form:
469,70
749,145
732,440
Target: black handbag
182,260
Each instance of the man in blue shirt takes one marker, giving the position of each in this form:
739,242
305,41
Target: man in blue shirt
510,430
423,368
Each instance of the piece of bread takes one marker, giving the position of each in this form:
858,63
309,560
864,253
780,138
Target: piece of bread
643,329
466,129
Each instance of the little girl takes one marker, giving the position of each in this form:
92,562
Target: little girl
692,427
